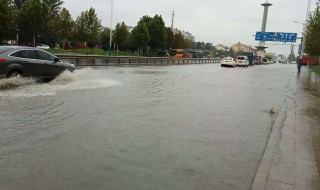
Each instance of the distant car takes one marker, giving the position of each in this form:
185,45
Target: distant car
257,62
228,61
30,62
186,55
285,62
293,62
242,61
43,46
265,61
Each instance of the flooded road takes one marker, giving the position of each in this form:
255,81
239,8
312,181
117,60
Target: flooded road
167,127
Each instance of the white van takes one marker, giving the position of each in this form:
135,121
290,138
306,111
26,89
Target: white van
242,61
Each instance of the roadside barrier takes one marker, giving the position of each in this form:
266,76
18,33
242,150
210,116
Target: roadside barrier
96,60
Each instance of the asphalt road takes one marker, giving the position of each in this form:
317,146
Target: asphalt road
167,127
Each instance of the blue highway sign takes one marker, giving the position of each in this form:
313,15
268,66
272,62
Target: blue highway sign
276,36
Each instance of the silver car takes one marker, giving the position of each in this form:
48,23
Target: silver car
30,62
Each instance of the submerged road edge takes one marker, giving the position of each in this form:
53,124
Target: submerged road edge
288,161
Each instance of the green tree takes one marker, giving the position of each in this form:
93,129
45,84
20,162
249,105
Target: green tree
170,38
88,27
147,20
187,43
64,26
19,3
105,39
54,7
157,33
140,35
208,46
33,20
121,35
6,18
312,37
231,53
178,40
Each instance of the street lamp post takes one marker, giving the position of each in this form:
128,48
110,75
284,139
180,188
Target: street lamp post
302,38
111,28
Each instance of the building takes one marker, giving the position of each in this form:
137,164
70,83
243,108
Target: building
221,47
241,47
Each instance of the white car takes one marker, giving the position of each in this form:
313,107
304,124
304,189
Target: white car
43,46
242,61
228,61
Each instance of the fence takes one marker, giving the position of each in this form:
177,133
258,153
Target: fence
96,60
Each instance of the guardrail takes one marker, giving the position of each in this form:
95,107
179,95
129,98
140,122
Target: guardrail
96,60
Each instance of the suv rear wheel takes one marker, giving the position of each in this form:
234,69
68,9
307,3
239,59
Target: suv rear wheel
15,73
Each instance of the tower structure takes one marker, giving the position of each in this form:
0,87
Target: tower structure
172,20
261,47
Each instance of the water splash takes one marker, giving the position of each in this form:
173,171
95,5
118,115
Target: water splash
81,79
64,78
15,82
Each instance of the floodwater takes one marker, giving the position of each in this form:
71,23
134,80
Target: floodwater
166,127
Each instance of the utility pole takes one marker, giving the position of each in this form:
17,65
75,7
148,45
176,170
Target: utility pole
111,28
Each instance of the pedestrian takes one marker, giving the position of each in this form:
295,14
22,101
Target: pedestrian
299,64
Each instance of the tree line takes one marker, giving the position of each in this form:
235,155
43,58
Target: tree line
312,36
31,22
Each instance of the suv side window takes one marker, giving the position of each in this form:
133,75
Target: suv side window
45,56
30,54
21,54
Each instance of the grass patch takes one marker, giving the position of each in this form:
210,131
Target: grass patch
315,69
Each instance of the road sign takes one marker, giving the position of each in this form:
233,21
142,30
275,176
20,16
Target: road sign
276,36
265,36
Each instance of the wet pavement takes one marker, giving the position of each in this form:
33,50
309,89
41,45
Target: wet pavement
166,127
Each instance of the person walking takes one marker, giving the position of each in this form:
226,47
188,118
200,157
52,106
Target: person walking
299,64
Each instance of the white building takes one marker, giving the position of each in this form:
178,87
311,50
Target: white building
221,47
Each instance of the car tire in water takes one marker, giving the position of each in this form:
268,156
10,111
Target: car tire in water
15,73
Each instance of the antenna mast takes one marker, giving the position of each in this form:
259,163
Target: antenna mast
172,19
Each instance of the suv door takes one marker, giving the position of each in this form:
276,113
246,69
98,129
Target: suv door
28,59
52,68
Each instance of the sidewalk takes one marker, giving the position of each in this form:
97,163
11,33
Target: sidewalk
288,162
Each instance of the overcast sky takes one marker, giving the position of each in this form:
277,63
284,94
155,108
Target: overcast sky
212,21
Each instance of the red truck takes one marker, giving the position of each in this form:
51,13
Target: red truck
306,60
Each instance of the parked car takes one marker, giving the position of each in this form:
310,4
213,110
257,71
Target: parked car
242,61
228,61
30,62
43,46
